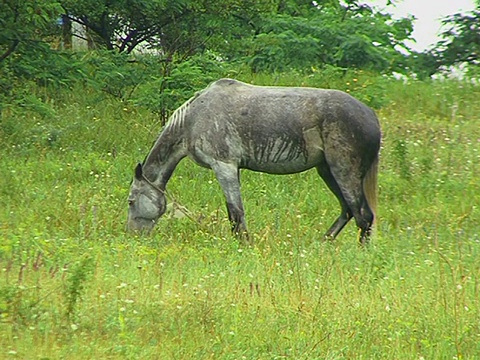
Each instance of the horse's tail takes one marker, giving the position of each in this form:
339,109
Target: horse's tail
370,187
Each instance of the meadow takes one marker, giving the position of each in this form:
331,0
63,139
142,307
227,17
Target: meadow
75,285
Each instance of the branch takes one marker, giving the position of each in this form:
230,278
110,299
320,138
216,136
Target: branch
10,50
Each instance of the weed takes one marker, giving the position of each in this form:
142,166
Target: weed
400,156
75,284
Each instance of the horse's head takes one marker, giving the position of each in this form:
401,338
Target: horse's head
146,203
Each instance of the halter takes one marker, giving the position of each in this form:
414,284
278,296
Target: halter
163,192
172,200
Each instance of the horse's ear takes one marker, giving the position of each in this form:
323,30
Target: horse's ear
139,172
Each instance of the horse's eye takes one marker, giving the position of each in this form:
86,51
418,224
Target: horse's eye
131,202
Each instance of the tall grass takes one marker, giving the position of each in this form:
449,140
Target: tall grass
75,285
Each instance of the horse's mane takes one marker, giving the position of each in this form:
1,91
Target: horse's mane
177,119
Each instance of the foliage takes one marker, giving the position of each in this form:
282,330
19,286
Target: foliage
331,35
275,35
117,74
460,46
24,55
24,23
76,282
32,68
128,22
173,26
461,39
165,91
423,64
144,80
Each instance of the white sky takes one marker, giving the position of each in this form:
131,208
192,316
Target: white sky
428,14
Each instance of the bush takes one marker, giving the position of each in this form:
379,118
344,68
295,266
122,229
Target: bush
166,91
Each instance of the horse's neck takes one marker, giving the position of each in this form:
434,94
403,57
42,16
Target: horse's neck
163,158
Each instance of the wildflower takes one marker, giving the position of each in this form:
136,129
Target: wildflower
122,285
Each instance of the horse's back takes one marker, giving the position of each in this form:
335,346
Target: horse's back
279,129
272,101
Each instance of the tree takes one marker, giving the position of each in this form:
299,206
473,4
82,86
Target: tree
459,44
306,34
123,24
172,26
25,23
269,35
461,40
423,64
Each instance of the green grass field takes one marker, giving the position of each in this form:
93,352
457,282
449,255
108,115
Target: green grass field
74,285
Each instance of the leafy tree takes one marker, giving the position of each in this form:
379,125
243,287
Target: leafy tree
25,58
270,35
172,26
460,43
25,23
351,35
461,40
123,24
423,64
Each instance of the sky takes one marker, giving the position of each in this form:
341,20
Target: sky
428,14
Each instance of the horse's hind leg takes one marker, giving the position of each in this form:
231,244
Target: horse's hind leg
350,182
228,178
325,173
352,190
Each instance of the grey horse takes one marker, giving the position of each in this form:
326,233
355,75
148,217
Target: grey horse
231,125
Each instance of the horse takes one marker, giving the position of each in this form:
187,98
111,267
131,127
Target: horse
231,125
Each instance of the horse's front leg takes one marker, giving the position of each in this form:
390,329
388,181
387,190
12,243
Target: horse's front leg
228,177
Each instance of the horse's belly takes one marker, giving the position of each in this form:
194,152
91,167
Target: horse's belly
285,155
290,167
288,163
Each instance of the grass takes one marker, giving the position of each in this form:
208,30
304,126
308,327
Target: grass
74,285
